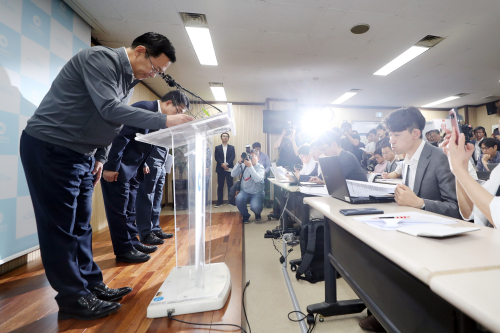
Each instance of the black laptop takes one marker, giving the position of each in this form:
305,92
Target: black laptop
337,185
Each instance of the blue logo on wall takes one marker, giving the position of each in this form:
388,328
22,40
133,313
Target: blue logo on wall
157,299
36,24
10,48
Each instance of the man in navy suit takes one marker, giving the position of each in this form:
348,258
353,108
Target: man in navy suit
122,172
150,193
224,156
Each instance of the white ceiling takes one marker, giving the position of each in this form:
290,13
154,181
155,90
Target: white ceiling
274,48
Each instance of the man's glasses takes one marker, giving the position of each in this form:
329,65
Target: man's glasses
153,70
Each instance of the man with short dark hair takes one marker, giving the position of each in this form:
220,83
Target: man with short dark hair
263,158
309,165
433,137
125,168
329,144
383,137
428,181
479,135
351,142
390,157
490,154
224,156
63,149
252,186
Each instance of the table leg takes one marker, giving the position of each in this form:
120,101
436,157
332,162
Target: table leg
331,306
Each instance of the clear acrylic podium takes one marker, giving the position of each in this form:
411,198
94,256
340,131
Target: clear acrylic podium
194,284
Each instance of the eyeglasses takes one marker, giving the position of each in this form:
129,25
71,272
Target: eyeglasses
302,156
153,70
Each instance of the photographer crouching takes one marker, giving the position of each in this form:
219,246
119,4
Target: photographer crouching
252,184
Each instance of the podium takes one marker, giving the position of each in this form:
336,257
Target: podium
194,284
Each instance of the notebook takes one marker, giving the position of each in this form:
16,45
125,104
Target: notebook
434,231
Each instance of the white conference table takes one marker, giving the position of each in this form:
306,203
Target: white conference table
402,278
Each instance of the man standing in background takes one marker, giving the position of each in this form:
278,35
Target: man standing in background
63,149
224,156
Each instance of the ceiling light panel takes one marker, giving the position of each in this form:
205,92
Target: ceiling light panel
441,101
202,43
402,59
218,91
344,97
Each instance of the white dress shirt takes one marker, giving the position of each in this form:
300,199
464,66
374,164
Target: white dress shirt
224,148
492,187
413,163
308,167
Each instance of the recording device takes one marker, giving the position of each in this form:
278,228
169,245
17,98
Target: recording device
246,154
466,129
276,233
468,132
288,128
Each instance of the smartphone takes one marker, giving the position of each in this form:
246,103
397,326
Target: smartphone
361,211
454,122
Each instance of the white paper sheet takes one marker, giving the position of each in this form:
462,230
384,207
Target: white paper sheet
402,219
365,189
315,190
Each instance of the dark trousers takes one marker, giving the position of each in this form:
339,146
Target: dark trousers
60,182
119,203
221,178
149,198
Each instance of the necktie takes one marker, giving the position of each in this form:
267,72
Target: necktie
407,176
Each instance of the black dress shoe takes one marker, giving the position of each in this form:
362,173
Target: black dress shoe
88,307
163,235
151,239
145,248
133,256
110,295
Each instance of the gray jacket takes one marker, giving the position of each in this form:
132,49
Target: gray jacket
87,103
253,177
435,183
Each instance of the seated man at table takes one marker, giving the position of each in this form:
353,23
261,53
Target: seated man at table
252,186
428,181
490,154
390,157
381,162
309,165
330,144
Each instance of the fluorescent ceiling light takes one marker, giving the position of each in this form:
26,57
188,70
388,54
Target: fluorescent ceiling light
440,101
402,59
344,97
219,93
202,43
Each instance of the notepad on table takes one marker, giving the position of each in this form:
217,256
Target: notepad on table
395,221
434,231
312,190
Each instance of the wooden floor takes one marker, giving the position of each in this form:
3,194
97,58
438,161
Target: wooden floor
27,301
